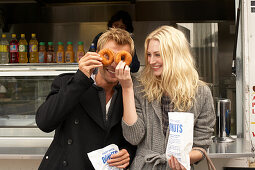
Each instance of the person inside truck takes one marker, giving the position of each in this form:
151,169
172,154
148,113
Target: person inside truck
122,20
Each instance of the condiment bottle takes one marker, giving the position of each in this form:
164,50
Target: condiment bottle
69,55
80,51
60,57
42,53
23,49
50,53
33,50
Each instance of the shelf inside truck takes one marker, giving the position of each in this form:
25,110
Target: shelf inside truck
37,69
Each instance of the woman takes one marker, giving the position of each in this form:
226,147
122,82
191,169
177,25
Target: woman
123,21
169,82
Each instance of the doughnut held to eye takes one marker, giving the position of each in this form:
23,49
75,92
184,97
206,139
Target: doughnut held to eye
123,55
107,56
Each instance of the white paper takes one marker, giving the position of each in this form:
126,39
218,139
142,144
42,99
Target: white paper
100,157
180,140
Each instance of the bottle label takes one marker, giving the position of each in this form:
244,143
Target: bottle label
60,57
41,57
5,58
33,48
22,48
49,58
13,48
68,57
5,48
80,55
1,48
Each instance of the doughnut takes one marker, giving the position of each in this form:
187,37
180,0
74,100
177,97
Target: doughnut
107,56
123,55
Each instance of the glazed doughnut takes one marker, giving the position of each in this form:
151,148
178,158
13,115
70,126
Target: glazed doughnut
106,52
127,57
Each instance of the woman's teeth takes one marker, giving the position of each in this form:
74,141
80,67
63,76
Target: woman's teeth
155,67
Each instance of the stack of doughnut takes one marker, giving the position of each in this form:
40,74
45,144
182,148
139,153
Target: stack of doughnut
108,57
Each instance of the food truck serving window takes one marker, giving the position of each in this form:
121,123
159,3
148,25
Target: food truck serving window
20,97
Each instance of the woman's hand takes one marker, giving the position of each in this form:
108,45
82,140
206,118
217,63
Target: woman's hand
122,73
174,164
120,159
89,62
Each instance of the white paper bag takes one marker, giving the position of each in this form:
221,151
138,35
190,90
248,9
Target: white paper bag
100,157
180,140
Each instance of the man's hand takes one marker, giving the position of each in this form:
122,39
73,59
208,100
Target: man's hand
174,164
89,62
122,72
120,159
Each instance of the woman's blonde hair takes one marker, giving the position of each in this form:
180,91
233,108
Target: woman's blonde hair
179,79
120,36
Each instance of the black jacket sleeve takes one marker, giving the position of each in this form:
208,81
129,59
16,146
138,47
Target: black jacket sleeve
65,93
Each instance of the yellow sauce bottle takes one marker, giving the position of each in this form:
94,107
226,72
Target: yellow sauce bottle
33,50
69,55
23,49
80,51
60,53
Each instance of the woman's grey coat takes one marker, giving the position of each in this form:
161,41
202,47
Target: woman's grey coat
147,131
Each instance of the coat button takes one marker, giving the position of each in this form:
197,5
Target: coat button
46,157
76,121
64,163
69,141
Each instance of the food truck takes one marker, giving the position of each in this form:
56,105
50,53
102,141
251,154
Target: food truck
222,39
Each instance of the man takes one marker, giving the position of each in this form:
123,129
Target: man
85,110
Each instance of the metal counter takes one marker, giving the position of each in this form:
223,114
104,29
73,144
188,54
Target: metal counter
238,148
22,152
35,148
24,148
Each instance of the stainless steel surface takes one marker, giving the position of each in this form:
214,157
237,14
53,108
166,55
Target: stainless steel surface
239,148
23,148
21,142
35,148
239,81
22,153
21,132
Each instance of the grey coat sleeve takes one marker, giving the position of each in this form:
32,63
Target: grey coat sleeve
205,121
135,133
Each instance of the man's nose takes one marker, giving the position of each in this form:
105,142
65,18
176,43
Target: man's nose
113,64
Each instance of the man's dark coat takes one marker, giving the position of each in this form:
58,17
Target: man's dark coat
73,109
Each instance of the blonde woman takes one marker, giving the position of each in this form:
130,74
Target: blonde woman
169,82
